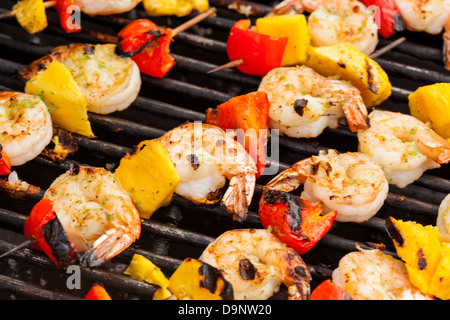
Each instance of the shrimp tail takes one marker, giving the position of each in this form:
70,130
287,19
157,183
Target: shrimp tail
287,7
434,146
356,115
110,244
292,178
239,194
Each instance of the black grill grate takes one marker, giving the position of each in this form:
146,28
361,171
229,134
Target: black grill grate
183,229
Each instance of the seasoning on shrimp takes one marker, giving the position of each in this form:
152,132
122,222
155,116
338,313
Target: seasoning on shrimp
350,183
336,21
404,146
95,212
256,263
205,156
303,103
25,126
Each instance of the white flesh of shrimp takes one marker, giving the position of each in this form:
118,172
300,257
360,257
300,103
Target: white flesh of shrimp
106,7
25,126
350,183
425,15
322,102
97,214
374,275
443,219
403,145
205,156
335,21
256,263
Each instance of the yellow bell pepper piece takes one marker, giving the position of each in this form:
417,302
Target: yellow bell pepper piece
141,268
354,66
65,101
178,8
197,280
149,176
30,14
295,28
431,104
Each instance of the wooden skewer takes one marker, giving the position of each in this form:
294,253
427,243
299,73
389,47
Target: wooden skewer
24,244
231,64
387,48
235,63
193,21
106,38
12,13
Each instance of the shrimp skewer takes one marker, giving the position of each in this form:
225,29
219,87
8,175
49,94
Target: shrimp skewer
255,262
350,183
374,275
336,21
205,156
303,103
403,145
109,82
25,126
96,213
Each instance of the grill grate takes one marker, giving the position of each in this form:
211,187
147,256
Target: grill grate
184,229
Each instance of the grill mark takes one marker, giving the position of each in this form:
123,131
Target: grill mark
422,263
299,106
247,270
370,78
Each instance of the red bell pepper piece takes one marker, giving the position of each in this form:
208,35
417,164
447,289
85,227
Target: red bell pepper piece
65,10
328,290
97,292
297,222
246,112
390,18
5,164
148,46
260,52
44,226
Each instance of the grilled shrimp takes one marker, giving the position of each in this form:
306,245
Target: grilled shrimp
374,275
255,262
425,15
25,126
205,156
403,145
303,103
335,21
350,183
443,219
109,82
105,7
96,213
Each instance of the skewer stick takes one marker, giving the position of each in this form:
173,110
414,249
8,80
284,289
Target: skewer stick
24,244
12,13
193,21
106,38
387,48
228,65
